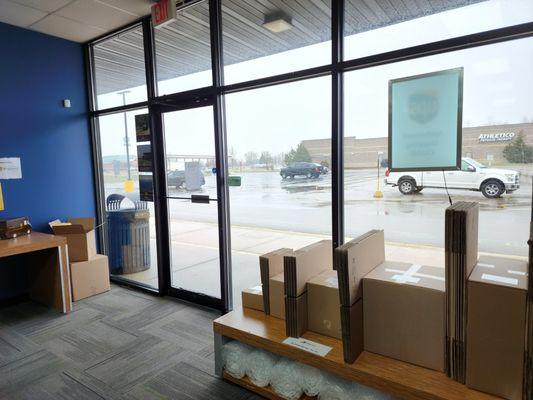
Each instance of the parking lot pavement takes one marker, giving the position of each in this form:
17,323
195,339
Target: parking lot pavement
304,205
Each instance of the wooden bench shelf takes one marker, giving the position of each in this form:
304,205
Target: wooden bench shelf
391,376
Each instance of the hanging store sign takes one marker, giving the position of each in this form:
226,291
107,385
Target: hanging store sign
163,12
497,137
425,121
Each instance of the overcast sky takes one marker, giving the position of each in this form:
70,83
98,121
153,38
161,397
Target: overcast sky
498,87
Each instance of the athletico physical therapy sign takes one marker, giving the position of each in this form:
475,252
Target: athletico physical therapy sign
425,121
163,12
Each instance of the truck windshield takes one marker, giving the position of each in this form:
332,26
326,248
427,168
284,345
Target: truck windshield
474,162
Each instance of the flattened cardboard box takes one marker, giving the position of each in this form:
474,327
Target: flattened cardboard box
323,315
305,263
80,236
352,331
89,278
296,315
495,343
271,264
354,260
253,298
461,253
277,296
403,309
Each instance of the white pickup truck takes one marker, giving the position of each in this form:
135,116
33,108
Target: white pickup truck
492,182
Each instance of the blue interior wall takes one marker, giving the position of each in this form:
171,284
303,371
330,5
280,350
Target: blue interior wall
37,72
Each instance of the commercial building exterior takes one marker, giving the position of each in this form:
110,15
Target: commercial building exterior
483,143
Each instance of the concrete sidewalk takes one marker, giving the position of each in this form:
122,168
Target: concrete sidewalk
195,262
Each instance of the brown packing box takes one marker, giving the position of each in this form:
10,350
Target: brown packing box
296,315
352,331
80,236
354,260
323,314
277,296
403,309
253,298
271,264
496,326
305,263
89,277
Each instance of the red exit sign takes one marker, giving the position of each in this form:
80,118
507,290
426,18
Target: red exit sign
163,12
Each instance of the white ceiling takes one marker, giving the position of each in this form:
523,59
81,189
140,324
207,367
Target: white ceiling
77,20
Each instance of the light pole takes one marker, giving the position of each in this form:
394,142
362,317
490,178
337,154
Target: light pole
378,194
126,138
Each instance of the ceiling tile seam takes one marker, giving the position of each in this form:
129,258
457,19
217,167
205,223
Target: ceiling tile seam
118,8
48,14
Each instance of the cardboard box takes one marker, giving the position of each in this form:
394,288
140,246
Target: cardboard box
271,264
354,260
80,236
323,304
277,296
495,344
352,331
89,278
305,263
253,298
404,313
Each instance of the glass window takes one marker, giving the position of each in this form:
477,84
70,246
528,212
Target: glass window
130,219
278,141
377,27
265,38
183,51
497,134
119,73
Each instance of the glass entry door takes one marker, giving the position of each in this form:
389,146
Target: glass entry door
191,195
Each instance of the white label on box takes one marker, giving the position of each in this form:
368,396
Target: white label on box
308,345
521,273
333,281
257,289
499,279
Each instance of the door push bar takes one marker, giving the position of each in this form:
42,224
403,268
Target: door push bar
198,198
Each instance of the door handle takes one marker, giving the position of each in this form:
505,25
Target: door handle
199,198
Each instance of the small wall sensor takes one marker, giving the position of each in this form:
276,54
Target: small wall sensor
66,103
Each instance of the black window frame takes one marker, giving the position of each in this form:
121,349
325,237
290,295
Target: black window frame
214,95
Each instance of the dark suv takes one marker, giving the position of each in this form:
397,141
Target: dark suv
176,178
307,169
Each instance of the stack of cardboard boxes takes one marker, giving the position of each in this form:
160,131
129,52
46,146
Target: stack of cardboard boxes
495,346
461,254
354,260
89,271
472,319
299,268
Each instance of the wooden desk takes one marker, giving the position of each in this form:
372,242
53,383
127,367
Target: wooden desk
47,259
403,380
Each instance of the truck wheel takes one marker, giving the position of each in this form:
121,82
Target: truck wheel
283,176
492,189
407,186
309,175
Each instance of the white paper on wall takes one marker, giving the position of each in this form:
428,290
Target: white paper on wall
10,168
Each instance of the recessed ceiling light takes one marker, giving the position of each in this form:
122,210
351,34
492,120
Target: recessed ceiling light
277,22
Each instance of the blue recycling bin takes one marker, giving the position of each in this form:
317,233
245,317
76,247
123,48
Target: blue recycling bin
128,238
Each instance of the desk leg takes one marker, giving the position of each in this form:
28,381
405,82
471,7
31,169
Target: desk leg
50,278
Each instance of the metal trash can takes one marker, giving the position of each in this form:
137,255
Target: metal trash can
128,237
